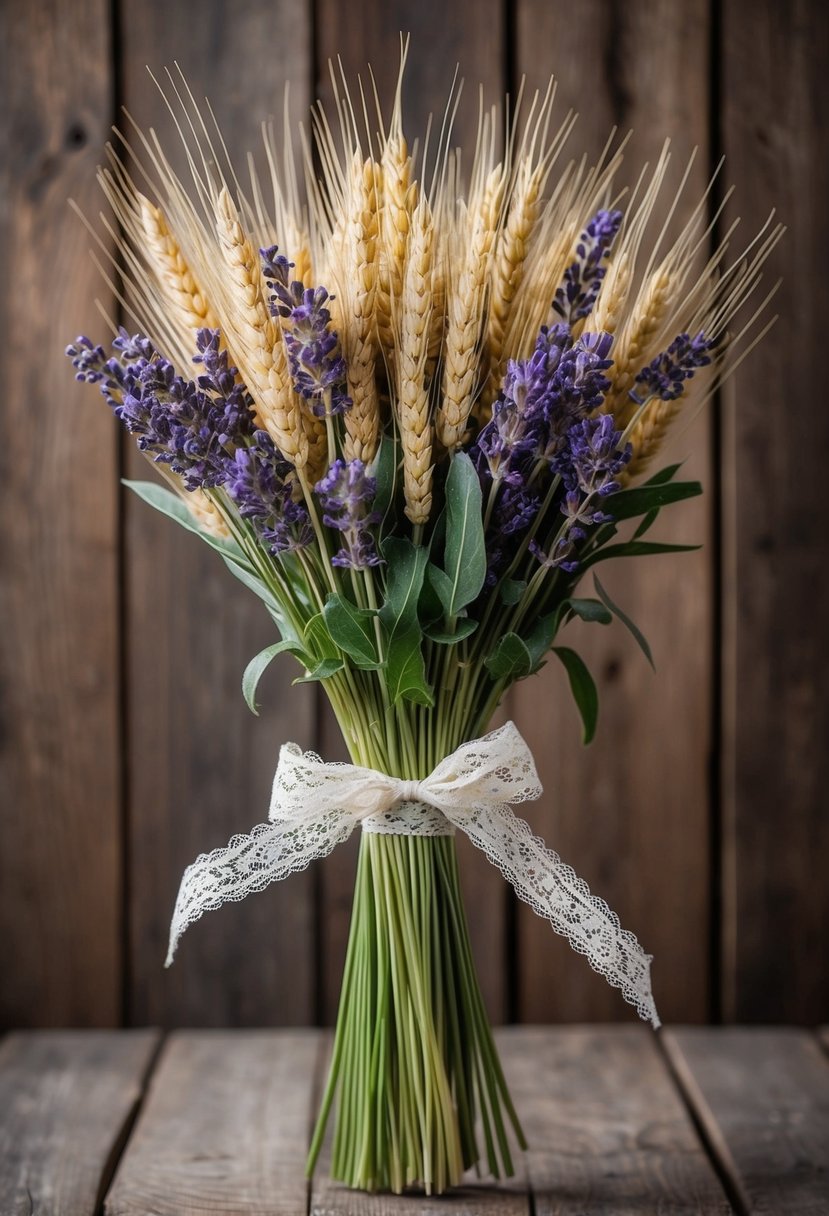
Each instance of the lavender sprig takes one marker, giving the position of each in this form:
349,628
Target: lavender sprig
346,493
583,278
260,483
314,356
665,376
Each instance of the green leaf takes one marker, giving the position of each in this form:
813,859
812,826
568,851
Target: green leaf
352,629
627,504
437,591
510,660
647,523
318,639
512,589
322,671
626,621
464,626
634,548
257,586
257,666
666,474
385,471
583,689
465,554
540,638
405,672
590,610
176,508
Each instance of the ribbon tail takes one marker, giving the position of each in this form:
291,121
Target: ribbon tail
249,863
555,892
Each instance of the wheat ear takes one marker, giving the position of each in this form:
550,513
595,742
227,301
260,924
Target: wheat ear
413,350
637,338
257,342
186,300
511,253
205,512
358,288
397,201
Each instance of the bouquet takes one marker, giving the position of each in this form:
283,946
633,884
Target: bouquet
413,409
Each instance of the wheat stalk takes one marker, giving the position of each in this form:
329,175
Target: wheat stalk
186,300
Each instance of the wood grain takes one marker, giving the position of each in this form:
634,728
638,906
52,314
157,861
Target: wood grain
60,834
201,765
359,35
66,1100
224,1129
762,1095
631,812
607,1130
775,115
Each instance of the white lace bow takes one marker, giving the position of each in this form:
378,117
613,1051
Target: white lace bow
316,805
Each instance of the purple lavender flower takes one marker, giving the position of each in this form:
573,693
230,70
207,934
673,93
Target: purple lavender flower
577,387
260,483
583,278
346,493
559,557
314,356
665,376
594,458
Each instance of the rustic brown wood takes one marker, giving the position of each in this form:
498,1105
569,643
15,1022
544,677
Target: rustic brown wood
775,115
368,33
66,1101
764,1097
631,812
59,832
607,1129
224,1129
201,765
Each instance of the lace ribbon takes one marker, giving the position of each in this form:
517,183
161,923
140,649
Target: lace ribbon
316,805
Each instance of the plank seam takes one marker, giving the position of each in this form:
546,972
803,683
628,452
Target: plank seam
121,1141
704,1123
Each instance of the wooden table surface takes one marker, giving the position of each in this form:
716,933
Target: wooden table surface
209,1123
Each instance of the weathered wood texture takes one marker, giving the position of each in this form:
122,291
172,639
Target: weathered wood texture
66,1101
775,118
607,1130
201,764
128,662
631,812
224,1129
359,35
60,829
762,1099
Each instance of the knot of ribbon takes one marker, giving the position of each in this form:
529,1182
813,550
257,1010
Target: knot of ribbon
315,805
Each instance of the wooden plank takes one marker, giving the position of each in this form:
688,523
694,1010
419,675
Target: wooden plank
630,813
368,33
607,1130
59,763
775,114
66,1102
762,1096
224,1129
201,765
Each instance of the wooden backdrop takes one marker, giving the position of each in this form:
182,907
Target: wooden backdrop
700,810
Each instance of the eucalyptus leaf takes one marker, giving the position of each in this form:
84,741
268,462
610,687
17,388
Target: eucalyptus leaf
437,590
540,638
322,671
512,589
255,584
318,639
465,553
464,627
634,629
405,672
259,663
583,689
352,630
384,470
510,660
176,508
590,610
